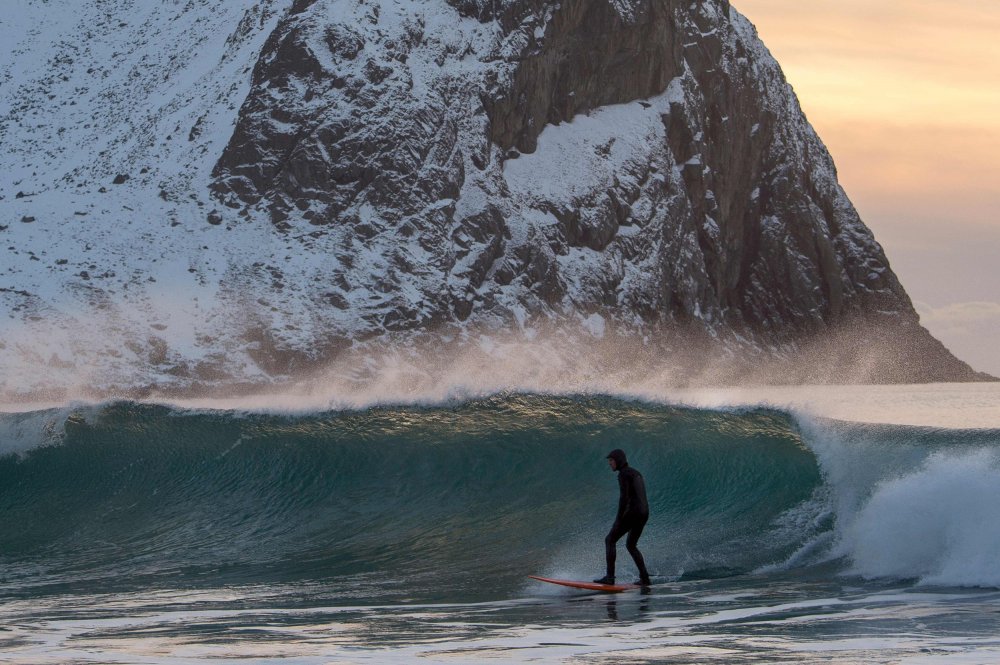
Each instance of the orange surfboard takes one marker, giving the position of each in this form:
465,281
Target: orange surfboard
589,586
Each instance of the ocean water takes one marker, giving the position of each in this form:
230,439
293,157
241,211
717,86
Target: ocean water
806,525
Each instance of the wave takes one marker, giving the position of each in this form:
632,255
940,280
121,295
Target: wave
468,497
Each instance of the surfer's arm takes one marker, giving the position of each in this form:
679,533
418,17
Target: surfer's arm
623,498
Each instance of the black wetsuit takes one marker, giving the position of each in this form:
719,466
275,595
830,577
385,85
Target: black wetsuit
633,512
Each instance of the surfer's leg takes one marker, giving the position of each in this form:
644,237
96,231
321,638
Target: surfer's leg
610,546
632,545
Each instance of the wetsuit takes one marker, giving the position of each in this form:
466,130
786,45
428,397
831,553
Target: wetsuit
633,512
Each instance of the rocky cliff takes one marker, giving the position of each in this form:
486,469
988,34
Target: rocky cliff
418,171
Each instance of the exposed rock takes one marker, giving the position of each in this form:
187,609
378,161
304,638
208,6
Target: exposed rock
641,158
625,185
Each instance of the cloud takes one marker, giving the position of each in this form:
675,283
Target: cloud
969,329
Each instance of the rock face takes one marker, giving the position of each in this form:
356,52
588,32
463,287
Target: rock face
636,169
640,159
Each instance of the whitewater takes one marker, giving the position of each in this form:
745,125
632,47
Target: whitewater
811,524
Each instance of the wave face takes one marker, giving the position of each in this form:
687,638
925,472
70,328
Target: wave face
463,500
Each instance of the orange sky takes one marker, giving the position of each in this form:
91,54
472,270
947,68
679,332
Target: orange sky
906,95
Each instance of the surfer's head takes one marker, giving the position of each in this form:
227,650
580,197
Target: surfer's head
618,461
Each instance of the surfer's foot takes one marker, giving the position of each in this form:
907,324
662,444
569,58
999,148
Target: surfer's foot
644,581
607,579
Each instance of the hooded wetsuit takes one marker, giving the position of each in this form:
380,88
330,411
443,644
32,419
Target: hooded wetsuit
633,511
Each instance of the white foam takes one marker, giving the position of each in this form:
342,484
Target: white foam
940,524
24,431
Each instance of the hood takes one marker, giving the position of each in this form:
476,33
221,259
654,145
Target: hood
618,455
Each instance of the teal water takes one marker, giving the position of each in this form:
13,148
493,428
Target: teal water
148,533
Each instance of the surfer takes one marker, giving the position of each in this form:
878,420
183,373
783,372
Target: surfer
633,511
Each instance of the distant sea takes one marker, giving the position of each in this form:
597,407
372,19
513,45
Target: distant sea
816,524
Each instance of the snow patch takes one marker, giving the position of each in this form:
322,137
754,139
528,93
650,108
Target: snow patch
594,324
578,157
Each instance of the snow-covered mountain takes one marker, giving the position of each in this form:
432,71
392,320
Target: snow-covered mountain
200,193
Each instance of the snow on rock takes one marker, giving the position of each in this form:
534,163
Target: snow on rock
587,153
111,120
196,193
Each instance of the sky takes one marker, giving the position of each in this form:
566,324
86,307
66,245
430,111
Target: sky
906,95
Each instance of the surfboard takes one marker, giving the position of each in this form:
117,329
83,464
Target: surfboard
589,586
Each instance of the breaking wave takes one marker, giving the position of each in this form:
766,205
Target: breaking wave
463,499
